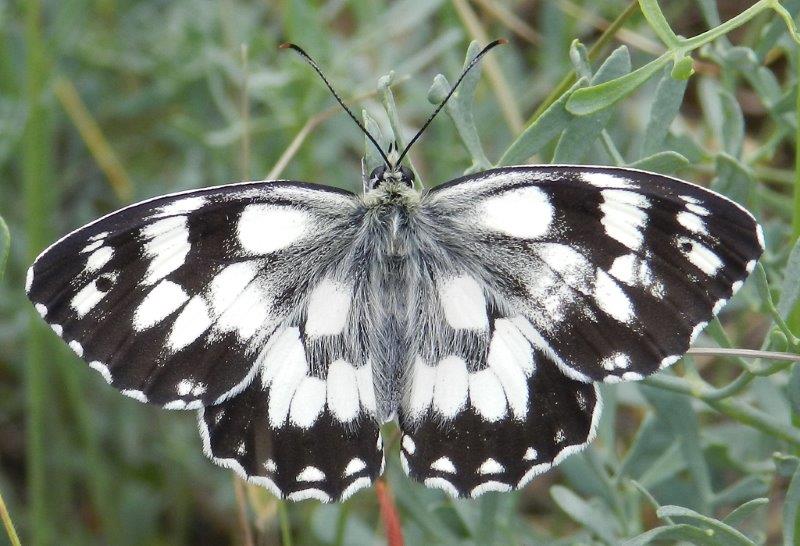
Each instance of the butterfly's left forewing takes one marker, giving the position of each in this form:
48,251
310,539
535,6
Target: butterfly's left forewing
231,300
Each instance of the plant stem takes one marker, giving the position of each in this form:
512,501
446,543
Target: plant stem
286,525
594,51
9,525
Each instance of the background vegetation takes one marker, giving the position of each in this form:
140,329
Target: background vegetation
103,102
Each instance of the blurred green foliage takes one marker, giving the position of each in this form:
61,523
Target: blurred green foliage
105,102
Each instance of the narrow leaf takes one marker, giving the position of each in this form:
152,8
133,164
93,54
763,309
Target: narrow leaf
688,533
666,103
5,245
540,132
586,514
790,288
725,535
791,511
741,513
655,17
597,97
668,162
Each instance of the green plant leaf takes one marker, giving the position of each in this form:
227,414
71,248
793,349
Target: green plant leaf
540,132
790,287
599,97
679,532
744,511
459,108
655,17
591,515
668,162
733,179
666,103
791,510
580,59
724,534
577,138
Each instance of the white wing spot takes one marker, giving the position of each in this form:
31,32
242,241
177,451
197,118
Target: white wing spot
164,299
451,388
692,222
491,466
191,323
29,279
624,216
511,359
182,206
443,464
328,308
408,444
57,329
41,309
308,402
135,394
102,369
228,285
736,286
530,454
606,180
94,245
696,330
760,236
441,483
668,361
423,379
265,228
342,385
487,396
311,474
463,302
99,258
357,485
718,306
699,255
284,367
354,466
489,486
615,361
366,389
311,493
611,298
89,296
167,245
525,213
632,376
270,466
697,209
76,347
560,436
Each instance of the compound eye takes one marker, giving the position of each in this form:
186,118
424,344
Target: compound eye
377,176
406,176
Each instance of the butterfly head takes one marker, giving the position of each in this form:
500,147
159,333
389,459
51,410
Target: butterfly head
385,175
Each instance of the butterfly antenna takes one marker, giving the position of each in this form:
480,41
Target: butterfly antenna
316,68
472,63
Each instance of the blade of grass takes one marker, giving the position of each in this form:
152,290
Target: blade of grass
36,167
9,525
94,138
497,80
5,245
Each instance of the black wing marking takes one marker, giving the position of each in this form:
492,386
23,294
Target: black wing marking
173,299
617,270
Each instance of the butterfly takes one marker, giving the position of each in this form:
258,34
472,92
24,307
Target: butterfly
297,318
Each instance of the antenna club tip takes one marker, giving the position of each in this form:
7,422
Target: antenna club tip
502,41
284,45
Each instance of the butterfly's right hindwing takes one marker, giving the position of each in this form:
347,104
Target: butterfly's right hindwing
172,299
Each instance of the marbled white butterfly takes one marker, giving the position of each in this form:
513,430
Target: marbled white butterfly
297,318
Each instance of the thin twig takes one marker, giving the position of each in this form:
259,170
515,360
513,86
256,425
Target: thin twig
743,353
503,91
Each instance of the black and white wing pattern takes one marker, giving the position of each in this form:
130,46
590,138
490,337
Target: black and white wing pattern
548,279
233,301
